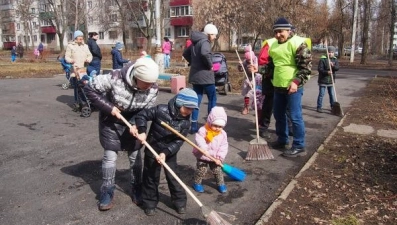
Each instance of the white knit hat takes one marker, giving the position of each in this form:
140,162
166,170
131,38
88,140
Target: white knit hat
210,29
146,70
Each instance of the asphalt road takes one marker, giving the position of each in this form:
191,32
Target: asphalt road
50,158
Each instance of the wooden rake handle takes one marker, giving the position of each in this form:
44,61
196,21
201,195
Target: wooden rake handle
245,72
166,166
330,68
188,141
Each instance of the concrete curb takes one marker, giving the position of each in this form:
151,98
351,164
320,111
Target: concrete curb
288,189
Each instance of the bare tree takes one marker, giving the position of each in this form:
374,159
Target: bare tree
392,30
365,31
27,17
55,12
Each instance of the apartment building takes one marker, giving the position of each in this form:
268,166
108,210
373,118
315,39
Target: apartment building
30,24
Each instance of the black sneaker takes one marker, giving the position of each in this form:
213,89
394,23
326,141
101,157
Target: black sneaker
320,110
181,210
294,152
264,132
279,146
150,211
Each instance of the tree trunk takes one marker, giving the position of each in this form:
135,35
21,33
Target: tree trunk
392,22
76,20
367,15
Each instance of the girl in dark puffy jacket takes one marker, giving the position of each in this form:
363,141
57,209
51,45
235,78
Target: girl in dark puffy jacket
122,92
166,144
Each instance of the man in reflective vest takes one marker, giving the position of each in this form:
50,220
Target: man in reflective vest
290,63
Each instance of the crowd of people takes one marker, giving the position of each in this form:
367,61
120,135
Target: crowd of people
129,91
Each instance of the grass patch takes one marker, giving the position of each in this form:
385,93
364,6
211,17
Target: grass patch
348,220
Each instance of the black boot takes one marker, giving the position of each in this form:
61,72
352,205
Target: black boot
136,194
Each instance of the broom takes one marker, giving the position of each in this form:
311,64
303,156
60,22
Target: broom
232,172
258,148
336,107
213,218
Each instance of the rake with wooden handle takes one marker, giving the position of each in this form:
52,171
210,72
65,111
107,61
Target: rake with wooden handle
213,218
258,148
336,107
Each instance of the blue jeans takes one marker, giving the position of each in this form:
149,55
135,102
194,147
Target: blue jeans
167,61
281,103
13,58
321,96
211,94
94,65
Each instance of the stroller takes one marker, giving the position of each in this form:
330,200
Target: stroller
82,104
221,73
67,67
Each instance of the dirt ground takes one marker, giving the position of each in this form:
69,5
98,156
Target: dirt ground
354,179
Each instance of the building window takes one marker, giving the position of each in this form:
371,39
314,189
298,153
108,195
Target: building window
167,32
35,38
113,35
34,24
18,26
180,11
113,18
183,31
89,3
101,35
33,10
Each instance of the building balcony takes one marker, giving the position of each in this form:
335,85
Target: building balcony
49,30
182,21
46,15
179,2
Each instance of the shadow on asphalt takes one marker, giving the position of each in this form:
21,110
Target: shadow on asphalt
66,99
91,173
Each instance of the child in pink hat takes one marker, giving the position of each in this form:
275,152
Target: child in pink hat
212,138
246,90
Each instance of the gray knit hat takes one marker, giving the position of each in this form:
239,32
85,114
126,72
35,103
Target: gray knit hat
188,98
331,49
282,24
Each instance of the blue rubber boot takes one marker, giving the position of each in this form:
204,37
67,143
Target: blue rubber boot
198,188
106,198
222,188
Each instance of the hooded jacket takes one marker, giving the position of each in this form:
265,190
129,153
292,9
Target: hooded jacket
118,89
219,146
199,57
323,68
117,59
160,138
94,49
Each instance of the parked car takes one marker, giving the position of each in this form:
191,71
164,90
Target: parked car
242,47
347,51
359,50
395,53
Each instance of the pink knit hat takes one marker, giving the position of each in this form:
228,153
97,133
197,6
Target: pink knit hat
247,48
217,116
248,55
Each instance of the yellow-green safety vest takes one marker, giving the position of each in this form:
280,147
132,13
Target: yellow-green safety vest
283,56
